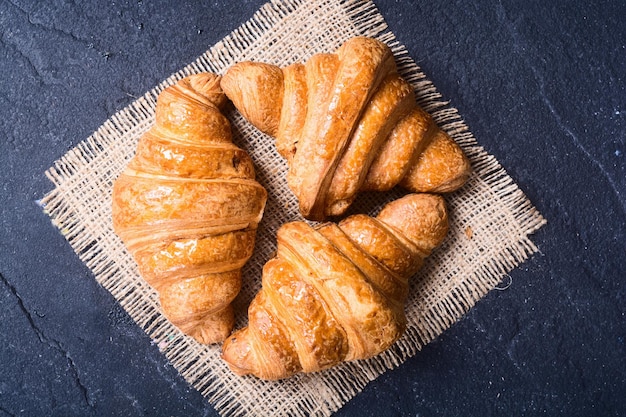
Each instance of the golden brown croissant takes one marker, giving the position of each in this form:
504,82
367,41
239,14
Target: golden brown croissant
187,208
346,122
337,292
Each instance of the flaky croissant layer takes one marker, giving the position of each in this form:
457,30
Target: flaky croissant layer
336,293
187,208
346,122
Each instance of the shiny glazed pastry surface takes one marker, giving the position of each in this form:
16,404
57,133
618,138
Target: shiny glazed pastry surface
346,122
336,292
187,208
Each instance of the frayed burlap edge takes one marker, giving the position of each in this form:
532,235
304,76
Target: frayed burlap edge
491,219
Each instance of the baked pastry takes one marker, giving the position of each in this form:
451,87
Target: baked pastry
336,292
346,122
187,208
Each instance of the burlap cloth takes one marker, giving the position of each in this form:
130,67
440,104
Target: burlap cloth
491,218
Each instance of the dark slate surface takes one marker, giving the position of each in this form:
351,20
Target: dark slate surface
540,84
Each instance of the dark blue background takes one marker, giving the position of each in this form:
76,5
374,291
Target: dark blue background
541,85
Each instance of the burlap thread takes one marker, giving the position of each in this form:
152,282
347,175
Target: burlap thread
491,219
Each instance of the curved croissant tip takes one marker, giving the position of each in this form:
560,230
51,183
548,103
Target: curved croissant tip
236,351
256,90
207,85
206,334
421,217
205,328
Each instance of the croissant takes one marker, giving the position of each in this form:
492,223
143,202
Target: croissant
336,292
346,122
187,208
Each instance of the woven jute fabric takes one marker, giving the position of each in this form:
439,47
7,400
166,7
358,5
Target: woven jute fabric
491,219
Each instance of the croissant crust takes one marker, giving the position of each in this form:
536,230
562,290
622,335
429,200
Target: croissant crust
187,208
336,292
346,122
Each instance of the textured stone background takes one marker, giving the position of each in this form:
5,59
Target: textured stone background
540,84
